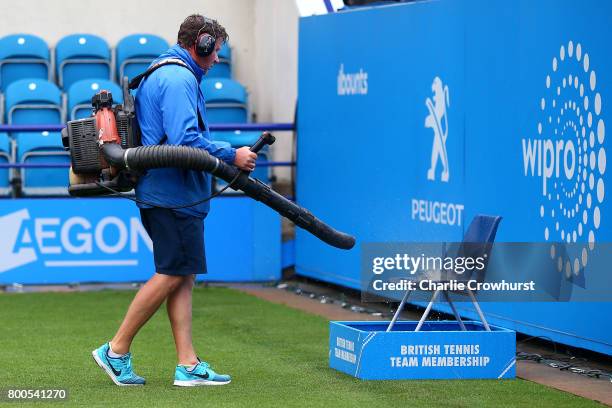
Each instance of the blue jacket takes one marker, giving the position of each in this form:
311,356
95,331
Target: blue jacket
167,104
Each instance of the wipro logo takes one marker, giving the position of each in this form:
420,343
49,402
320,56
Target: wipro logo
72,242
568,153
352,83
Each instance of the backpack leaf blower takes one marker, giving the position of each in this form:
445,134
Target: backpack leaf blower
106,157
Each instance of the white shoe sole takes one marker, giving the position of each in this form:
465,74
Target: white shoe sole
109,372
197,383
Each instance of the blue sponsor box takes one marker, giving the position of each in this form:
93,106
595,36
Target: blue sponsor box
440,350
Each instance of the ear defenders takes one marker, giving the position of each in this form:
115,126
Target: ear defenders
205,43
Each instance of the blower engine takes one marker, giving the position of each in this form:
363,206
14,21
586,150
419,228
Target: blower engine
107,158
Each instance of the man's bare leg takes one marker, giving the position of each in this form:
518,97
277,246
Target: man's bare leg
145,304
179,313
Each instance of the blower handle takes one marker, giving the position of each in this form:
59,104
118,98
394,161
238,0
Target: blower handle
265,139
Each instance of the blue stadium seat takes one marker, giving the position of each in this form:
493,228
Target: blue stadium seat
237,138
5,157
80,93
135,52
43,147
2,104
33,101
223,69
81,56
226,100
23,56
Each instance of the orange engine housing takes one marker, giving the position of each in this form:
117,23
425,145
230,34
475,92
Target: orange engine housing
106,126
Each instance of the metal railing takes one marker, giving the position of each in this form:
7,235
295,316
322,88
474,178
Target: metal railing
220,127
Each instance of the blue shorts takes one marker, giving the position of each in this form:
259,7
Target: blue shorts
178,241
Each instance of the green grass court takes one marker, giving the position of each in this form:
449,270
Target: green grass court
277,356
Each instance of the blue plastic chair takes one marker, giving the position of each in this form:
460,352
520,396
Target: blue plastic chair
81,56
135,53
80,93
477,242
23,56
43,147
226,100
5,157
33,101
223,69
483,228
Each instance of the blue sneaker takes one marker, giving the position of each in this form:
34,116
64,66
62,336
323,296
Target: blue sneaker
201,374
118,369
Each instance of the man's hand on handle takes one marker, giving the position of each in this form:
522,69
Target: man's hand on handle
245,159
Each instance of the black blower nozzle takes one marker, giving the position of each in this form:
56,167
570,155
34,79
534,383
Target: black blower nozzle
189,158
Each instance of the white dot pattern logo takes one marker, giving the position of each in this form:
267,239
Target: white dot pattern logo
572,109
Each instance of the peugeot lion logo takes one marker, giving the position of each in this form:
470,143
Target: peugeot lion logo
432,210
437,112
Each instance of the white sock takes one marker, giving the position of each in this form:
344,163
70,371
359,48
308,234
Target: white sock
112,354
189,367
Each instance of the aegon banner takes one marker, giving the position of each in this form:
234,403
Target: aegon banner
103,240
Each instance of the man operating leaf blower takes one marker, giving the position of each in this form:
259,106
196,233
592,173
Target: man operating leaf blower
160,145
170,110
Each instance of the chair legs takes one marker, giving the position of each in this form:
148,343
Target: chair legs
430,305
398,311
480,314
427,310
452,306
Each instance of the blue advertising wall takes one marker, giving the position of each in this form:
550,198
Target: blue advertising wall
415,117
48,241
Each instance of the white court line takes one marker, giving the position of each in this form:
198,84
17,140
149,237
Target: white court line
118,262
366,341
507,368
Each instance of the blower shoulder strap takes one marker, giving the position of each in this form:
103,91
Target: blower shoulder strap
135,82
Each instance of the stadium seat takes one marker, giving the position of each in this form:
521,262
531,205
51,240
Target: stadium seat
5,157
237,138
226,100
2,107
43,147
223,69
23,56
81,56
135,52
33,101
80,93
